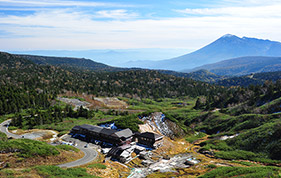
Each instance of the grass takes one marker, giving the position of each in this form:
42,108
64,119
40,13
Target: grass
67,148
28,148
161,104
3,137
5,117
245,155
236,155
216,145
195,137
47,171
229,152
244,163
74,97
97,165
13,128
245,172
7,173
56,172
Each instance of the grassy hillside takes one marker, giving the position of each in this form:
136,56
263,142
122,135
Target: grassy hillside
47,171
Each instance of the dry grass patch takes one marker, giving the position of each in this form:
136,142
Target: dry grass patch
106,169
13,161
172,147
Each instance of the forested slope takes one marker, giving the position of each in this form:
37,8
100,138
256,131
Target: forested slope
30,80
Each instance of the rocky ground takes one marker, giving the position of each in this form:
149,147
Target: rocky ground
92,102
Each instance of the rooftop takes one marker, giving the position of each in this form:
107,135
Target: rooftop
151,135
106,131
124,133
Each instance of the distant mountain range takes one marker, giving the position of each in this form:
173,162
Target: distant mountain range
112,57
243,66
81,63
27,62
226,47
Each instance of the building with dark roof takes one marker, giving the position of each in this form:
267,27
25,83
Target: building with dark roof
149,139
107,135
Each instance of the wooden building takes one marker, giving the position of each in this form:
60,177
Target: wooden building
150,139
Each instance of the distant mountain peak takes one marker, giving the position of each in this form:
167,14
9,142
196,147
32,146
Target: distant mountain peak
228,36
226,47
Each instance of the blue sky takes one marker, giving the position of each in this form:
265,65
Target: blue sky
122,24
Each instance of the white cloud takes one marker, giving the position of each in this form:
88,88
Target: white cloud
257,11
69,29
61,3
252,2
116,14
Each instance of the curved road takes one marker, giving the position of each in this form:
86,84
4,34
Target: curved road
4,128
90,154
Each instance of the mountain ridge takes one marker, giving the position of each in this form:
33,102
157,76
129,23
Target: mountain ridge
226,47
243,66
70,62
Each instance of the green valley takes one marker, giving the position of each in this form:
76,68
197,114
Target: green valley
232,131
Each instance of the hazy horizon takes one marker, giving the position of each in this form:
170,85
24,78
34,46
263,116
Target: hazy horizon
113,57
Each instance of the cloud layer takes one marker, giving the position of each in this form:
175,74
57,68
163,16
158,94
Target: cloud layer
56,24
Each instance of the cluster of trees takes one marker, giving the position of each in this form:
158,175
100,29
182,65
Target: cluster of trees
130,121
241,100
27,76
247,80
35,117
14,99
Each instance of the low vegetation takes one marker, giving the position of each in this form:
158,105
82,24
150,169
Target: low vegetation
3,137
97,165
48,172
67,148
28,148
54,171
195,137
245,172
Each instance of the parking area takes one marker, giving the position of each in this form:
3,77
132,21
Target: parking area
67,139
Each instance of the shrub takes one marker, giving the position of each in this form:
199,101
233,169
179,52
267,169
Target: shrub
130,121
3,137
28,148
245,172
211,166
243,163
237,154
8,172
13,128
54,171
195,137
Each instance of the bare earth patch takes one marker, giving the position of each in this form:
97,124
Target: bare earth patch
98,102
37,134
